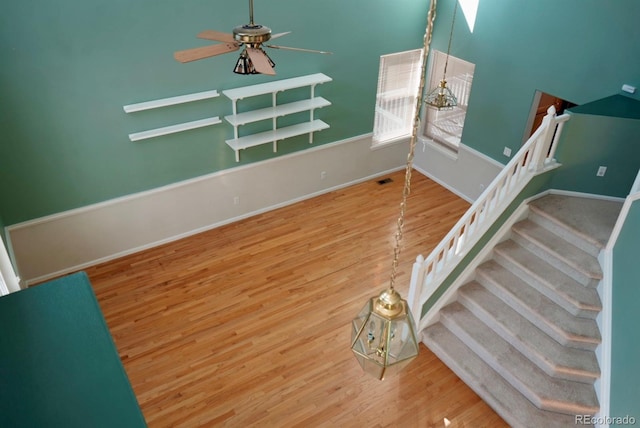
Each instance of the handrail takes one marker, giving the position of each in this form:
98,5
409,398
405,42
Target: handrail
604,394
534,157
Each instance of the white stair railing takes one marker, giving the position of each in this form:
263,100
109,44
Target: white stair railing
606,295
535,156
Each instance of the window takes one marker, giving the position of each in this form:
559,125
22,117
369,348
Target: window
398,82
444,127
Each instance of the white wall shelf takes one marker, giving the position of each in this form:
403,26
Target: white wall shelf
174,128
164,102
275,135
275,111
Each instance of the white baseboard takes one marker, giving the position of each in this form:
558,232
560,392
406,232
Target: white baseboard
466,174
65,242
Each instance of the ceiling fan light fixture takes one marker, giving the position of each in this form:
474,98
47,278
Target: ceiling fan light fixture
253,60
244,64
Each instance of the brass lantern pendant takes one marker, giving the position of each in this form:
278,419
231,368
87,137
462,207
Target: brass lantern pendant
383,337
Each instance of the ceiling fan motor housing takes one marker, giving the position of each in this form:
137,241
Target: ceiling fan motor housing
252,33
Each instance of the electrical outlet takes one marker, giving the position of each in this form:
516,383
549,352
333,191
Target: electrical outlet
507,152
601,171
323,175
236,200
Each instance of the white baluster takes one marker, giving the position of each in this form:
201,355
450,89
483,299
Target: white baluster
556,137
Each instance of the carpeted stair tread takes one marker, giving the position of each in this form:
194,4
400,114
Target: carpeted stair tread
590,219
562,289
508,402
537,308
565,256
555,359
544,391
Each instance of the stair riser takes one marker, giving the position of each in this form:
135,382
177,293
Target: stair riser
555,261
486,382
524,348
486,354
549,292
564,232
489,359
471,381
534,317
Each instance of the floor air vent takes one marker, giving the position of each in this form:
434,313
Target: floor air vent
384,181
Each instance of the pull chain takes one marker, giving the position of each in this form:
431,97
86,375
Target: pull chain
412,145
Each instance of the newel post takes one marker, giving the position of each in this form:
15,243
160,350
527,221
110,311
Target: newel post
415,288
543,145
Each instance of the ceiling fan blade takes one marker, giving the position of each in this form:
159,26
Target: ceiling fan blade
194,54
298,49
260,61
275,36
218,36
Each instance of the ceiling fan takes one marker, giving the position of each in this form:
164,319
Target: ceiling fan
253,59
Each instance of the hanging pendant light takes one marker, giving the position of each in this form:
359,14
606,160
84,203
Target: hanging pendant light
383,337
441,96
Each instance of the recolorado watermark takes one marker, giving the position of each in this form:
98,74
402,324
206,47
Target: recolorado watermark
605,420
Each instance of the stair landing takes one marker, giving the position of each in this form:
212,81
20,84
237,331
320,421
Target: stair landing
592,219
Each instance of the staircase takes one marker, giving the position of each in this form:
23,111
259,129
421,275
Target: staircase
523,333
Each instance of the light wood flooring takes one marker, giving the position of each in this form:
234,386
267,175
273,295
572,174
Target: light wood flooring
249,324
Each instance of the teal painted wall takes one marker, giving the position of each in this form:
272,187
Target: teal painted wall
625,346
589,141
70,65
580,50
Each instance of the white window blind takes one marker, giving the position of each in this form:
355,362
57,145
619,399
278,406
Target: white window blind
398,81
9,282
445,126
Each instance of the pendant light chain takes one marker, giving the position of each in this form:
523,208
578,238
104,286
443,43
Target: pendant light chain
453,21
416,124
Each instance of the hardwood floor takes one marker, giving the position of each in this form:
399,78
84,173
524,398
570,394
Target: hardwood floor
249,324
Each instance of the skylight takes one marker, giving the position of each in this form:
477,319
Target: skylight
470,9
